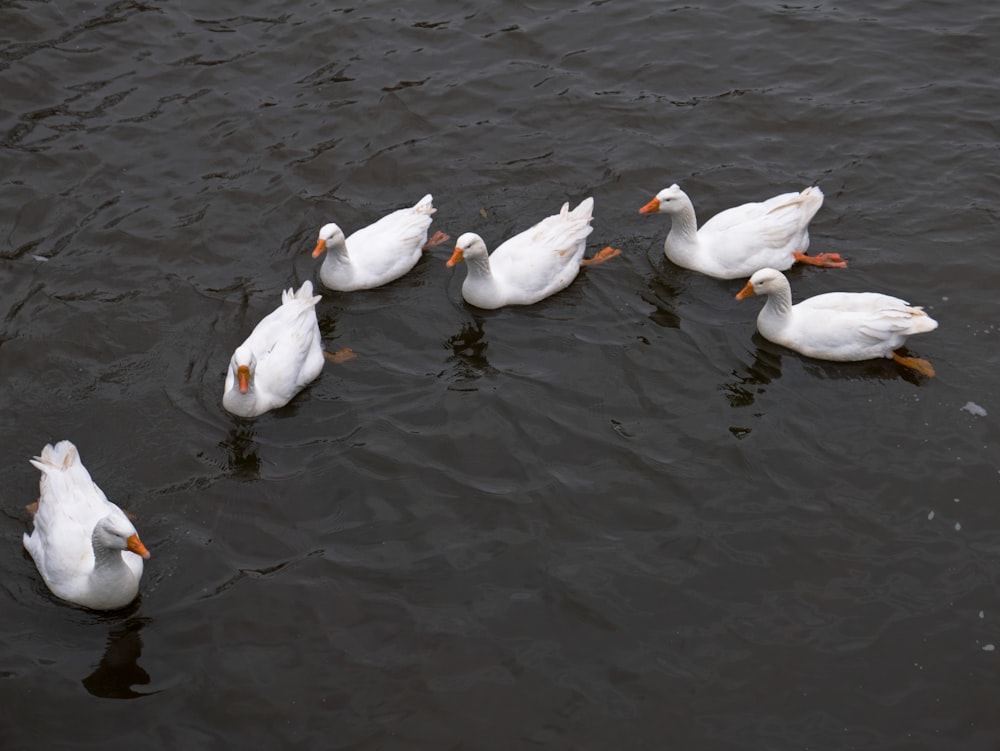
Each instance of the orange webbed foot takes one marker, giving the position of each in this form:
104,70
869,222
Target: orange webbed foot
830,260
601,256
915,363
436,239
341,355
32,508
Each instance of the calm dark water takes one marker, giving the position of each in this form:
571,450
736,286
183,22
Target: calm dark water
617,519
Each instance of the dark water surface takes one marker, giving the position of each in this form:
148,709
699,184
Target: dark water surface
618,519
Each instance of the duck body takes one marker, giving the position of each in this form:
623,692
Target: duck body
282,355
838,326
738,241
531,265
84,546
376,254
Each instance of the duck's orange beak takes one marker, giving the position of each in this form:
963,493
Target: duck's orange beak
651,208
135,545
320,247
746,292
456,257
243,376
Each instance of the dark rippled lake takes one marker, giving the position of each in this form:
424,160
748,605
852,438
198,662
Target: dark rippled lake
618,519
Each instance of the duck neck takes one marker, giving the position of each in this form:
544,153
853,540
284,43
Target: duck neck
682,240
241,404
480,286
776,310
479,269
339,253
107,560
337,256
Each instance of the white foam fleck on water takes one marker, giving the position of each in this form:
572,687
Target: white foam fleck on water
974,409
982,614
958,526
930,515
988,647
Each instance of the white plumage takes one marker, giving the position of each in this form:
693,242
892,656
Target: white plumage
531,265
842,326
281,356
85,548
376,254
736,242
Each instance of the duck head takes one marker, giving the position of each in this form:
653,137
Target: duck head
470,247
763,282
330,236
243,364
668,201
116,532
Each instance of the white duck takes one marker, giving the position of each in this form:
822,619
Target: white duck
736,242
379,253
842,326
531,265
281,356
84,546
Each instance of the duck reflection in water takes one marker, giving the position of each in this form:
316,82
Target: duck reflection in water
662,296
119,669
766,367
243,460
469,351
